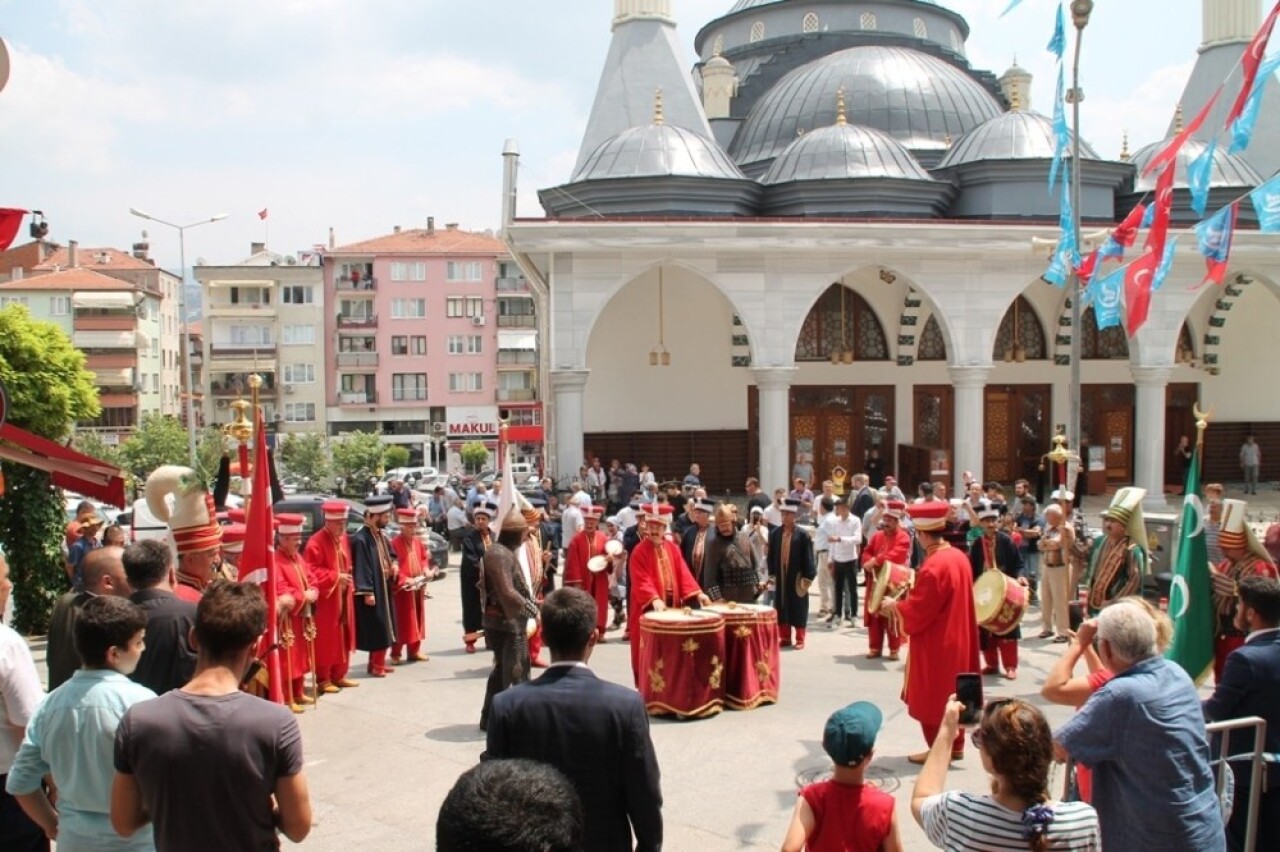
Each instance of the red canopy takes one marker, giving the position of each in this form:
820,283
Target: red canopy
71,470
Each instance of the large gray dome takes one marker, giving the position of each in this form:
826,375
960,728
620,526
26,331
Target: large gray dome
751,4
919,100
1228,169
1014,135
657,150
844,151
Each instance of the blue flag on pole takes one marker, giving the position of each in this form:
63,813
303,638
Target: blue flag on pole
1266,202
1213,238
1199,173
1060,134
1013,4
1166,264
1058,44
1242,127
1106,301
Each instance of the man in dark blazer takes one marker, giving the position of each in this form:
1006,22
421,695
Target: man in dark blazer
593,731
792,569
1250,686
169,660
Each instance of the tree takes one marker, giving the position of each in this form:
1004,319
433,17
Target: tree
91,444
304,457
474,455
210,445
48,389
159,440
356,459
395,456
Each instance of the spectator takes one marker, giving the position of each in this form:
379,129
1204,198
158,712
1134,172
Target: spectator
239,757
1030,525
842,812
510,806
169,660
1213,523
1016,747
693,479
803,470
891,486
1143,736
71,735
1054,546
874,468
83,510
595,732
755,495
1250,464
800,491
90,526
103,573
1250,686
114,536
457,525
843,533
20,695
437,510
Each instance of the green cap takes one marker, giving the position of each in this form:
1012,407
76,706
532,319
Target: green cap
850,733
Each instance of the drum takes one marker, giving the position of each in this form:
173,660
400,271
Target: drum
752,674
999,602
682,663
596,564
892,581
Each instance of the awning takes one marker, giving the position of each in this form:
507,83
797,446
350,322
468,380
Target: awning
113,377
117,300
519,340
524,434
108,340
70,469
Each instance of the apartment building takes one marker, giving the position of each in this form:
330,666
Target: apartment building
265,315
436,340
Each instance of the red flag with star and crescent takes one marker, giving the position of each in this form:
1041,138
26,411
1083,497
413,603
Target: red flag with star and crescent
10,222
1169,153
1251,61
1137,290
258,559
1159,232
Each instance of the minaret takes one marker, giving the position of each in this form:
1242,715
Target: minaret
1229,21
719,86
1016,82
645,54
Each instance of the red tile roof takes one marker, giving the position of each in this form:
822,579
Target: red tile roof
440,241
93,258
69,279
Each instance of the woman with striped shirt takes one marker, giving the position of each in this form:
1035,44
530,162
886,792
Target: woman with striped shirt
1016,746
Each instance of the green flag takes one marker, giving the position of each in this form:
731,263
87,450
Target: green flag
1191,598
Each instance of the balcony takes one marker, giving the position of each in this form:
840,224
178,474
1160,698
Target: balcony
516,356
364,285
517,321
114,361
242,350
364,397
119,322
513,285
234,391
357,359
517,395
357,321
121,399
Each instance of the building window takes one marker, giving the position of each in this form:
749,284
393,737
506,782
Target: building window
757,32
6,301
932,346
466,382
400,345
408,308
840,322
250,335
1030,335
475,344
453,306
464,306
717,46
524,417
60,306
470,271
868,20
811,23
920,28
357,344
515,380
408,271
408,386
298,335
250,296
471,344
475,307
299,295
455,344
1105,344
299,412
299,374
418,344
956,44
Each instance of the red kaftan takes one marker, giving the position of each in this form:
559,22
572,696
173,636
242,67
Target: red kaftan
335,624
294,578
410,607
581,549
652,579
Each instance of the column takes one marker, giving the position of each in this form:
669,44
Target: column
1150,384
969,384
774,386
567,387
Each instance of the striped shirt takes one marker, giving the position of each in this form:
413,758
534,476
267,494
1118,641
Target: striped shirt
968,822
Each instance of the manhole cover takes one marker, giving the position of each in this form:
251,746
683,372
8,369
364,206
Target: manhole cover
877,776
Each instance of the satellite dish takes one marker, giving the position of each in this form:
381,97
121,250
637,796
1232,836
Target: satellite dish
4,65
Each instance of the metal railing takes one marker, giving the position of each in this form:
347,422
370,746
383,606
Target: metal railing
357,397
1257,759
512,285
357,359
517,321
517,394
346,285
357,320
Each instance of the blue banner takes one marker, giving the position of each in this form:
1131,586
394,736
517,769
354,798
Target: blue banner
1013,4
1199,173
1213,235
1058,44
1166,264
1060,134
1106,301
1242,127
1266,202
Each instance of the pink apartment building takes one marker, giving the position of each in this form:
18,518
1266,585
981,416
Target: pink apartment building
432,338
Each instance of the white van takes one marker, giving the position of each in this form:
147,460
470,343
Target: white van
145,525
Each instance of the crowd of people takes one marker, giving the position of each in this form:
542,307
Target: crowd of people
165,651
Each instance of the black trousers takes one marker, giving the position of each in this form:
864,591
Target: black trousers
846,590
18,832
510,663
472,615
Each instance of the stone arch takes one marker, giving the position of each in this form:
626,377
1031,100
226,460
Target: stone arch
1061,343
916,307
1234,287
931,335
1030,334
859,327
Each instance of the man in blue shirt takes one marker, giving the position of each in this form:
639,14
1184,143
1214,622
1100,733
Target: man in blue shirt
90,526
1143,736
72,734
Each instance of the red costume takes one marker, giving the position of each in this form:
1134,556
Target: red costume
584,546
885,547
329,559
655,575
294,578
410,606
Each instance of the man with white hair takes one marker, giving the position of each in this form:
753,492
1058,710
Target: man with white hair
1143,736
1055,545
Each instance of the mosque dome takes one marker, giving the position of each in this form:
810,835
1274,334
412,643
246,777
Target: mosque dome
1014,135
657,150
742,5
918,99
1228,169
844,151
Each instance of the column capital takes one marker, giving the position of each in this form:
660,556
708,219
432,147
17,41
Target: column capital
1151,376
569,380
775,378
972,376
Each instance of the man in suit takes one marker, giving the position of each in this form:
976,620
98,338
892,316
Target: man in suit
792,569
594,731
1250,686
169,660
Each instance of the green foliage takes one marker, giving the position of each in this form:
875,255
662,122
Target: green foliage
210,445
91,444
32,524
304,457
474,455
396,455
158,440
356,458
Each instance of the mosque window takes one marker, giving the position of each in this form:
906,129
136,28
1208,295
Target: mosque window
1102,345
868,20
842,320
956,44
1030,341
932,346
811,23
717,46
757,32
921,30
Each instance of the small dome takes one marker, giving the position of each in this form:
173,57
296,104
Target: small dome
657,150
1010,136
844,151
718,61
1228,169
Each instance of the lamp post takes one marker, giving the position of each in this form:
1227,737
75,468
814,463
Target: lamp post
1080,12
186,328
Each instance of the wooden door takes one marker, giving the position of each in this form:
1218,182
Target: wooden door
1117,438
998,455
1016,432
1178,421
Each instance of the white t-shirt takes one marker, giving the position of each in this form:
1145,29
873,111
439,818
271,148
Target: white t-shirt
969,822
20,693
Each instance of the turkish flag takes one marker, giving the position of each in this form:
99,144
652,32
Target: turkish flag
1251,60
10,222
1159,232
1137,290
1169,154
1127,231
262,214
257,562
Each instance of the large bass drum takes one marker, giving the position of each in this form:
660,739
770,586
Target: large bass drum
682,662
752,663
999,602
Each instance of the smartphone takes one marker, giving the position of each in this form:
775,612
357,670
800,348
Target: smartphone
1075,615
969,692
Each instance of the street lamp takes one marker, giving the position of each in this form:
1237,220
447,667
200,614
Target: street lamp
186,329
1080,12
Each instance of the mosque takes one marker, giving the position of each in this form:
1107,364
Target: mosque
827,241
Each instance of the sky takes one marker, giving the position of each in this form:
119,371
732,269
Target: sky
360,115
